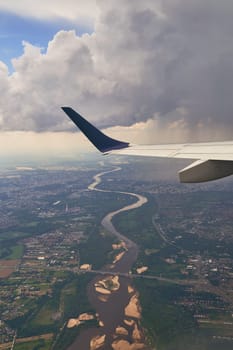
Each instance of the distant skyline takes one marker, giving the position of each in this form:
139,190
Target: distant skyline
150,71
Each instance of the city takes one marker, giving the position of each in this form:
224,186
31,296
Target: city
50,224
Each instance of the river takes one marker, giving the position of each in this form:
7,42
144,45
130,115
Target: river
119,328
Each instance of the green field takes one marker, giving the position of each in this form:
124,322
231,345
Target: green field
16,252
34,345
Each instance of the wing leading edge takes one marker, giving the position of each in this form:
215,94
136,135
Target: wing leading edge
101,141
214,159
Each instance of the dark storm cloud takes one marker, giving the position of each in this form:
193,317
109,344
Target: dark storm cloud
177,54
170,60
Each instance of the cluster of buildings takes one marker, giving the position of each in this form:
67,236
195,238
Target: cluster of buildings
29,197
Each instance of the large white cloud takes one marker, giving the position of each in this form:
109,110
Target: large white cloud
170,60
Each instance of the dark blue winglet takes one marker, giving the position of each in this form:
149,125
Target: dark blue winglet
102,142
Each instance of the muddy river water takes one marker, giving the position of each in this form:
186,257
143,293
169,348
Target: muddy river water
118,309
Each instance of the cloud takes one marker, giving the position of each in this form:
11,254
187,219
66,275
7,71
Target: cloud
52,9
170,62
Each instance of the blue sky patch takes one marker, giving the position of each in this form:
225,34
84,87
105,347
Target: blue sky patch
14,29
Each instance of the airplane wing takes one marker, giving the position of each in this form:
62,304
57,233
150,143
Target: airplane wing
214,160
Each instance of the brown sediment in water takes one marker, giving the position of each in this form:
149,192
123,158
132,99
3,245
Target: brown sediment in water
77,321
118,257
104,298
130,289
119,311
137,334
142,269
102,290
97,342
121,331
125,345
133,309
106,287
129,322
73,322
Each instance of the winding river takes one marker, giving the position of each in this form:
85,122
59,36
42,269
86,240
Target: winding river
111,308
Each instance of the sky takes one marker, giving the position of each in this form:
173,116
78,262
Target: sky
151,71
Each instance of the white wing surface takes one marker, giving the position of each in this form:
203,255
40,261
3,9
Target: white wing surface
211,150
214,159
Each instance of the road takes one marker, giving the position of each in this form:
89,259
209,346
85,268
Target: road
151,277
